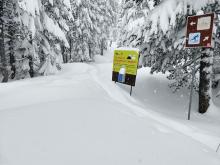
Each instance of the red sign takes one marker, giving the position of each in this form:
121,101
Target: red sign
199,31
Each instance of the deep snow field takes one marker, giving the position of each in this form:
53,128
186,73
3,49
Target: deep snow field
81,117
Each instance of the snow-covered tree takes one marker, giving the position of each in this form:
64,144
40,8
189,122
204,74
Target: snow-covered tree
81,31
107,15
3,64
162,39
60,13
93,19
38,35
132,21
10,37
48,24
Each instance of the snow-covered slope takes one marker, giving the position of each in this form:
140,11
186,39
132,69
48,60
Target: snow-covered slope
80,117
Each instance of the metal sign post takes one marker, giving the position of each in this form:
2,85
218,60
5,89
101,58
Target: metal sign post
199,34
131,90
191,88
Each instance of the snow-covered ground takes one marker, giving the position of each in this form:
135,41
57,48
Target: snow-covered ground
81,117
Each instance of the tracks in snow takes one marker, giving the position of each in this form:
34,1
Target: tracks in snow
134,108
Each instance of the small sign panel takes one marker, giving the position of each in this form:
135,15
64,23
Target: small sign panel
125,66
204,23
194,38
199,31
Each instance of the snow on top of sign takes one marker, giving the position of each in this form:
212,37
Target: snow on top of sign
127,48
200,12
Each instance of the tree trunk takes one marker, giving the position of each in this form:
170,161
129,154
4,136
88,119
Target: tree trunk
63,53
90,51
71,47
205,81
12,31
102,47
2,45
5,76
12,64
31,65
30,57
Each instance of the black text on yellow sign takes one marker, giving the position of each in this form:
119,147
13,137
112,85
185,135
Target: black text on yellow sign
125,66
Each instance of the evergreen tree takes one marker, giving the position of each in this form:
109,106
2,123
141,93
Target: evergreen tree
93,19
3,64
162,44
38,35
47,22
82,22
108,14
8,37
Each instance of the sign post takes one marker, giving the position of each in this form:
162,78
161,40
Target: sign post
199,34
125,66
191,87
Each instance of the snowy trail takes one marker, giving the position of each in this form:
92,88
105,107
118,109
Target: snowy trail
136,109
80,117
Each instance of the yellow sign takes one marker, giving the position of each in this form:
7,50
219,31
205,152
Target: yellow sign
125,66
127,59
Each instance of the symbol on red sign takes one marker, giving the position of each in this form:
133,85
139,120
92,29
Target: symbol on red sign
194,38
206,38
193,23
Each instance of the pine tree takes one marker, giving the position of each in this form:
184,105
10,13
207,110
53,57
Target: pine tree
4,63
108,13
162,45
11,36
206,64
60,12
25,56
38,35
8,38
93,19
47,22
3,66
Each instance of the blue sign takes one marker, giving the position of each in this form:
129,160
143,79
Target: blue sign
194,38
121,78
